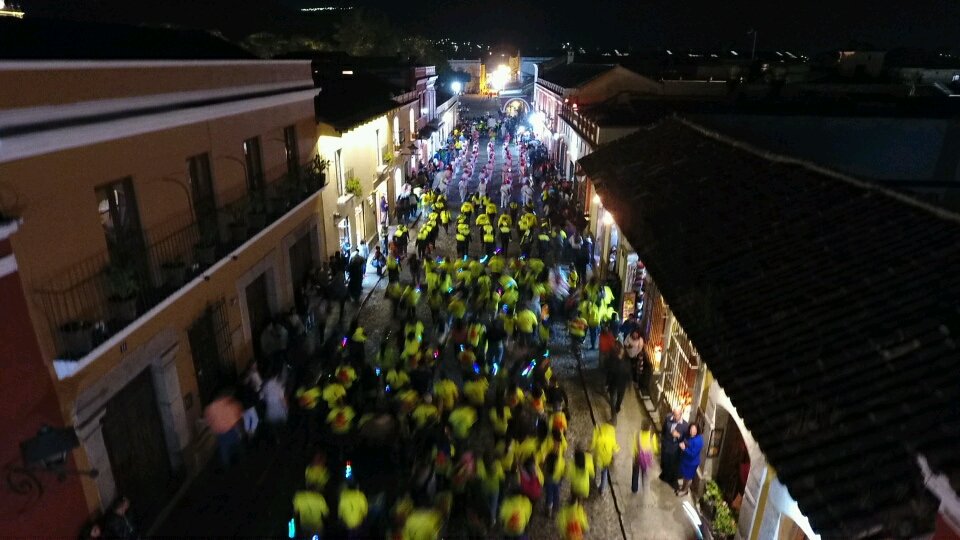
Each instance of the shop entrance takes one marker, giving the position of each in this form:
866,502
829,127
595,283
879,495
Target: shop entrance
734,460
343,232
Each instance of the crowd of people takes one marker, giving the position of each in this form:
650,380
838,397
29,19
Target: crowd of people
454,417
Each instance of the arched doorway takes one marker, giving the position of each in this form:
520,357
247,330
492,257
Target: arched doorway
516,107
733,458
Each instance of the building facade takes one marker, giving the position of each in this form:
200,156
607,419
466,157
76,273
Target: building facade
165,210
756,335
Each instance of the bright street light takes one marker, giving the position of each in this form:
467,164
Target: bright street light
456,87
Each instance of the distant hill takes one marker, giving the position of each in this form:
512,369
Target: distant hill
233,18
35,38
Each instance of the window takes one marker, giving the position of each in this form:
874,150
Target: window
254,163
292,151
378,150
413,124
120,219
341,179
397,134
201,189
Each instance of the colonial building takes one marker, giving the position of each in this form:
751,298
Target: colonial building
805,318
154,216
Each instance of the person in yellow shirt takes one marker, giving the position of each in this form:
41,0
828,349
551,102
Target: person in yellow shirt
475,390
397,379
580,473
604,448
446,392
515,515
462,420
333,393
526,325
423,524
352,509
316,474
425,413
491,476
500,418
310,509
645,445
572,521
340,418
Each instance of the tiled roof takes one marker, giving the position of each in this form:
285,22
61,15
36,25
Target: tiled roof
352,100
827,309
574,75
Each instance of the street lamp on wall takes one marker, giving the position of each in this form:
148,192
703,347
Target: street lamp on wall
44,453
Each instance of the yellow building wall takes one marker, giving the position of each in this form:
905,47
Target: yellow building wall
56,197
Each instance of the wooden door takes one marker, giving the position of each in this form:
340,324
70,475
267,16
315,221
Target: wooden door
301,260
258,309
137,448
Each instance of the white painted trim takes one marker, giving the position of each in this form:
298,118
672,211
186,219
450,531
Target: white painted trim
47,113
68,368
112,64
37,144
8,265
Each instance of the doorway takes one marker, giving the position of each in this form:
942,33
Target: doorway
137,449
734,463
258,309
212,359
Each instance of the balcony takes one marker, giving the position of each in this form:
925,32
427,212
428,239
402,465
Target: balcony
93,299
585,127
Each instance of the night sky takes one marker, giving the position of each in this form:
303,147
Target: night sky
800,25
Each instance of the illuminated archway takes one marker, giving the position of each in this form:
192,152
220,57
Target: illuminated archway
515,106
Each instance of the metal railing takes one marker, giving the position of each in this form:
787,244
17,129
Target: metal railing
81,303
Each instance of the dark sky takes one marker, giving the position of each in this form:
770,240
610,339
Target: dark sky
803,25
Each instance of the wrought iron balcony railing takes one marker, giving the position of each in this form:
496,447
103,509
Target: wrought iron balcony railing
98,297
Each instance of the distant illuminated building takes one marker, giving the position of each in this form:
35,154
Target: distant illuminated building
10,11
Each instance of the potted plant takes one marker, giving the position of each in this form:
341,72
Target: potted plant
238,221
724,524
174,273
710,499
206,248
353,187
122,291
76,338
315,173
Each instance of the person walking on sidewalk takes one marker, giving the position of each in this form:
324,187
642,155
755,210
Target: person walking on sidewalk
604,448
633,345
689,457
618,377
644,446
674,429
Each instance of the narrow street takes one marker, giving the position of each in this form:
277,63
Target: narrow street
253,499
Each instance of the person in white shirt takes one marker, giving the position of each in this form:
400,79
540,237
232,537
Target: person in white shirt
527,193
504,194
482,188
463,189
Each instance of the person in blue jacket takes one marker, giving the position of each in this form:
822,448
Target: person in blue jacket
689,457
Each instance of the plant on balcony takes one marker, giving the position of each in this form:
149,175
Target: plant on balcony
353,187
315,173
174,273
76,338
122,290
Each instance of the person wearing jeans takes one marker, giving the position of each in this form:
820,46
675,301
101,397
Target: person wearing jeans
553,469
